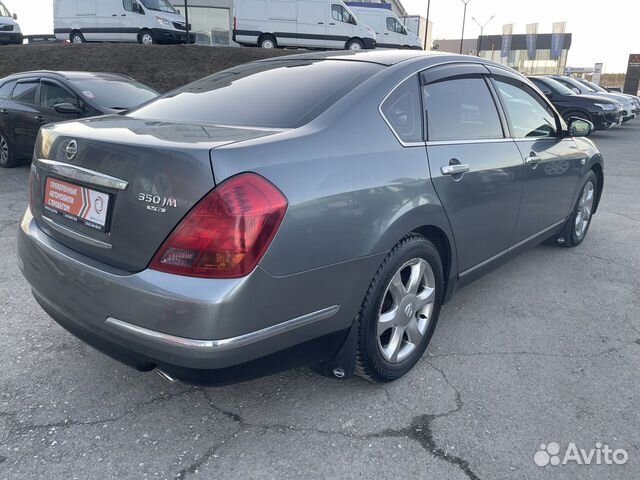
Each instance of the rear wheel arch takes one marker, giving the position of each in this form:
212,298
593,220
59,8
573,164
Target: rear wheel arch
441,241
597,169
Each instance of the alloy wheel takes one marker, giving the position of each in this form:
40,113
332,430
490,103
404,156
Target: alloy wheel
585,209
4,151
405,312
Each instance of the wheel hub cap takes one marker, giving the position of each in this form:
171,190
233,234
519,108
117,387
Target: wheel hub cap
405,312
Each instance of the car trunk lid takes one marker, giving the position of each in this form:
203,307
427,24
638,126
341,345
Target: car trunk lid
113,188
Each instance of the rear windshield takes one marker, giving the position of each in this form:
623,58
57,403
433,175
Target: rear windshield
275,94
116,94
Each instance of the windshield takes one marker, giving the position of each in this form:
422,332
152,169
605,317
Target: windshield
159,5
275,94
596,88
576,84
115,94
3,11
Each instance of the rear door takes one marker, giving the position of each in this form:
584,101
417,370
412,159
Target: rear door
312,24
553,162
24,118
475,168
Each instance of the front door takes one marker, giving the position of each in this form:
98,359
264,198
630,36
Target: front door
340,28
474,166
552,162
52,94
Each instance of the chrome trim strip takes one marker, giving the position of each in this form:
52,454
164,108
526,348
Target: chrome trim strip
435,143
226,343
76,235
510,249
83,175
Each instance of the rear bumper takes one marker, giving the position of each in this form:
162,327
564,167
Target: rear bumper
11,38
172,36
188,326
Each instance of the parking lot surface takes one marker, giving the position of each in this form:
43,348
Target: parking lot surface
545,349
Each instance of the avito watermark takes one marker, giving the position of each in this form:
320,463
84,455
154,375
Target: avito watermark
602,454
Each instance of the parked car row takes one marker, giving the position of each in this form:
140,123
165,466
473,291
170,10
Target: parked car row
217,232
582,99
30,100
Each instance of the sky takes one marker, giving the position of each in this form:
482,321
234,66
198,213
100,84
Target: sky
604,32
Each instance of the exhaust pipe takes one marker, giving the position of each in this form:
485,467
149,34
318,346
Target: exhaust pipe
165,375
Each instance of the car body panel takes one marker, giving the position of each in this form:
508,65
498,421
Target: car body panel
354,190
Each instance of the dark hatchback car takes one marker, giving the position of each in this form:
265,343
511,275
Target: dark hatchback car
312,208
602,112
628,105
32,99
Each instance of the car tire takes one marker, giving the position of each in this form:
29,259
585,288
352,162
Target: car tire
400,310
577,226
77,37
7,157
145,37
267,41
354,45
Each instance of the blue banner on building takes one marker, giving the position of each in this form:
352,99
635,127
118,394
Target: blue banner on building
532,40
507,37
557,40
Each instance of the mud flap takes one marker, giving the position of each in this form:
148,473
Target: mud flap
343,364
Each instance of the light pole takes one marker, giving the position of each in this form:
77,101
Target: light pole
464,20
426,32
482,26
186,19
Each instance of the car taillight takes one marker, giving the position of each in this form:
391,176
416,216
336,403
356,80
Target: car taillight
235,23
227,232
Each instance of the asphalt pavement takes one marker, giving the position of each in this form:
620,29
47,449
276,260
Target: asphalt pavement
544,350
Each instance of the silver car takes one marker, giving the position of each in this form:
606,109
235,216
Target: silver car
313,209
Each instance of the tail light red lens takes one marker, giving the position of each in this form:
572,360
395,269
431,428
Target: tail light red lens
227,232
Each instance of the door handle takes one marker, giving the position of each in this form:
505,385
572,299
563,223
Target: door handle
39,118
533,160
454,169
114,15
320,23
332,23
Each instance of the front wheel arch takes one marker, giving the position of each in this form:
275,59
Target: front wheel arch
597,169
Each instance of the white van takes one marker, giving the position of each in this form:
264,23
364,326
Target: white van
143,21
390,31
326,24
10,32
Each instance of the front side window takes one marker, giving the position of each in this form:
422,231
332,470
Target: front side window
5,89
52,95
128,5
25,93
341,14
402,110
394,25
529,114
159,6
461,109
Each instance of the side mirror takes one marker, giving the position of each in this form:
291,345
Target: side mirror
66,108
579,127
15,16
576,90
179,12
547,93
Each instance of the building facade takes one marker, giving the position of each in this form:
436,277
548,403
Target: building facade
547,55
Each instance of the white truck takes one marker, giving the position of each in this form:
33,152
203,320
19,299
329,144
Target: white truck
390,31
143,21
10,32
321,24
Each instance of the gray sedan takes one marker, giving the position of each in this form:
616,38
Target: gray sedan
314,209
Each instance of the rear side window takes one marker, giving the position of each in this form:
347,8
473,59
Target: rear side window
51,95
461,109
5,89
25,93
402,111
276,94
529,114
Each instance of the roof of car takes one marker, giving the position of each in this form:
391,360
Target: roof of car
382,57
73,75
